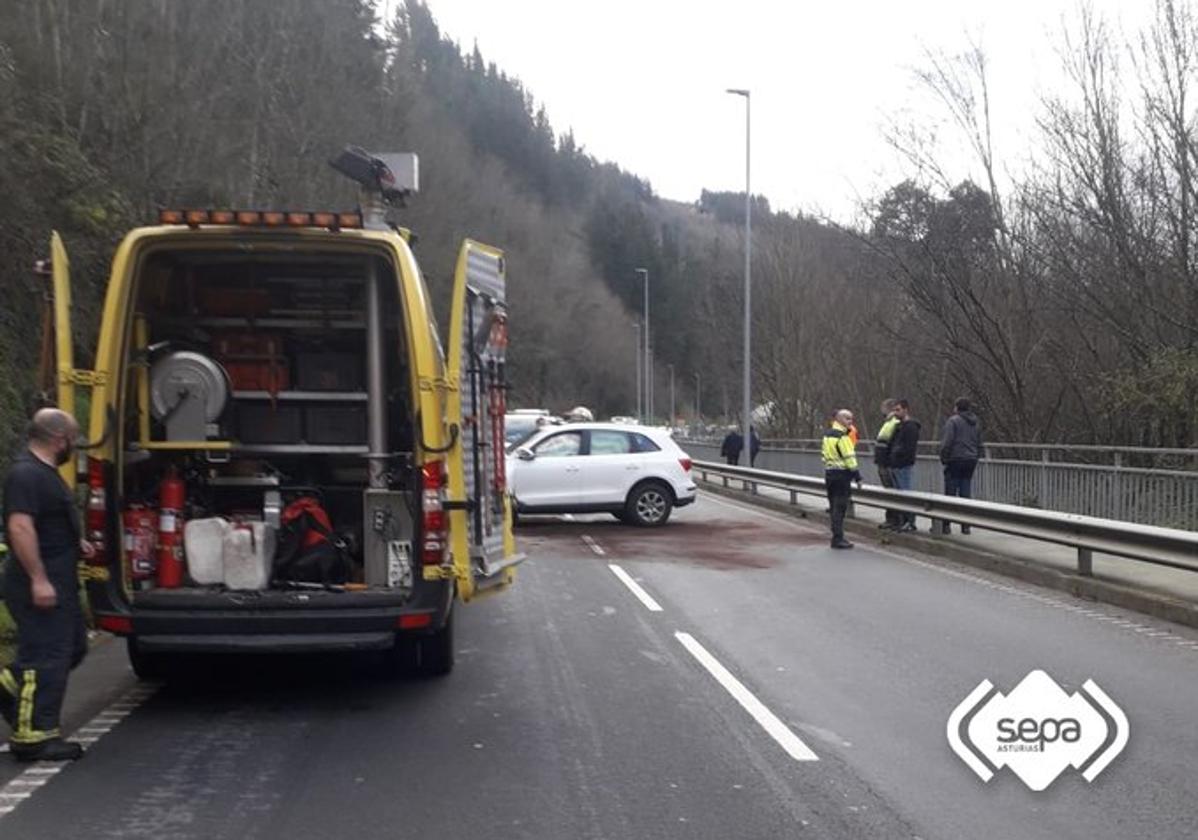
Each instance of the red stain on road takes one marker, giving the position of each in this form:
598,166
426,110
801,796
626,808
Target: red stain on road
713,543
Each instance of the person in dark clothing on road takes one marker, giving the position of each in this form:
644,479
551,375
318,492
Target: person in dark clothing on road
890,424
754,446
960,449
730,449
42,590
840,471
904,446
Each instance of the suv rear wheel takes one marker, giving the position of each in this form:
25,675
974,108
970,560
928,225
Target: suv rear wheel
649,505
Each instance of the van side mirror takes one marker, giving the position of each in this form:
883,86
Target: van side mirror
525,454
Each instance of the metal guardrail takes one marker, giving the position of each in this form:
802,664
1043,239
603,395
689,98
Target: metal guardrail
1166,498
1116,453
1170,547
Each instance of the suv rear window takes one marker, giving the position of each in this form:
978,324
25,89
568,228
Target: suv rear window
640,443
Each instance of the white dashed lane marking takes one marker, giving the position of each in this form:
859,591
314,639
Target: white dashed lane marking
636,589
768,721
33,778
592,545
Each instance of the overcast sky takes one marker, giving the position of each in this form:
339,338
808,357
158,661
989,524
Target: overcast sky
641,82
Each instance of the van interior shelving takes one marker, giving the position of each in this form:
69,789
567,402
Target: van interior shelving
289,336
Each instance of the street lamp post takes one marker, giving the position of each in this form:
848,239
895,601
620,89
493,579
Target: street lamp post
746,404
644,275
698,399
672,414
649,387
637,354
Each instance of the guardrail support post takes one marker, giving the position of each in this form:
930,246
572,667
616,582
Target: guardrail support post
725,480
753,487
1085,562
1117,486
794,497
1042,492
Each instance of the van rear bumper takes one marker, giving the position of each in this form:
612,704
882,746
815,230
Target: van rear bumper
342,622
265,643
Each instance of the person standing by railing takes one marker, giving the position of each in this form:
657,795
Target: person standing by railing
960,448
840,471
731,447
904,447
882,458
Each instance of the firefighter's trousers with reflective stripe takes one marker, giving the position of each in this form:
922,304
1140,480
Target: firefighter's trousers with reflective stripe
49,644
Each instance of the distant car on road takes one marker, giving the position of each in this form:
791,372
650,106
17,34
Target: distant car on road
625,421
522,422
639,475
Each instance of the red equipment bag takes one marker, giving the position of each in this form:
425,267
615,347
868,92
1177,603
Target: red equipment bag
308,550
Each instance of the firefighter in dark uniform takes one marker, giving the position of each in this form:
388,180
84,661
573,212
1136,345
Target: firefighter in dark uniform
840,470
42,590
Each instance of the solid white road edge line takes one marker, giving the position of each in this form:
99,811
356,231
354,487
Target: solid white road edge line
30,781
643,596
768,721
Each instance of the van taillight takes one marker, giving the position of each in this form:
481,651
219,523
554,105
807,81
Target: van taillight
686,464
121,625
435,540
96,519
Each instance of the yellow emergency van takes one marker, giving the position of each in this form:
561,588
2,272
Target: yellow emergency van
281,455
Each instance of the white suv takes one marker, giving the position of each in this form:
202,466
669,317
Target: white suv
635,473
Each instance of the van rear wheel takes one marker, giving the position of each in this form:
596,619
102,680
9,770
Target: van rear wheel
147,666
434,653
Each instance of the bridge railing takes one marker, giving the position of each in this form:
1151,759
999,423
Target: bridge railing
1166,496
1170,547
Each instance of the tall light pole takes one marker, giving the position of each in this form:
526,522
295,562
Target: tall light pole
747,404
637,354
644,275
672,414
698,399
649,387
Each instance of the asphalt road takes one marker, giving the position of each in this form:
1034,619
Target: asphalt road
576,711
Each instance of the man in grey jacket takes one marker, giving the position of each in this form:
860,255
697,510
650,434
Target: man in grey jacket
960,448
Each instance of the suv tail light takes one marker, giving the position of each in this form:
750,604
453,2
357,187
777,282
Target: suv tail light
96,519
686,464
435,540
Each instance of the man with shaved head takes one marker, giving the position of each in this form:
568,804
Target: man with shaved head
840,471
42,590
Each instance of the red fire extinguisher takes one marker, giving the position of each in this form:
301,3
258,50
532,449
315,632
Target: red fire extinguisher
141,540
172,495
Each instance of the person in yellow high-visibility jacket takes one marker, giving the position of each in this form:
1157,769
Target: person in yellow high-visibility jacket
840,471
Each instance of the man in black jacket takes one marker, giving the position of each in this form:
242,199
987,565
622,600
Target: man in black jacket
960,448
731,447
903,448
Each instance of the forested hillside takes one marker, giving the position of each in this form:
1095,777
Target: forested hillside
1066,303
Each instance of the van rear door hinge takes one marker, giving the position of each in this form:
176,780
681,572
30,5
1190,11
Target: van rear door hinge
438,383
83,378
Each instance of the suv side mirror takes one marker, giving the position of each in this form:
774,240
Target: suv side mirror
525,454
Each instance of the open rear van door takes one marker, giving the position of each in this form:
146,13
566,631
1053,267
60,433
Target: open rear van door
63,347
480,511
